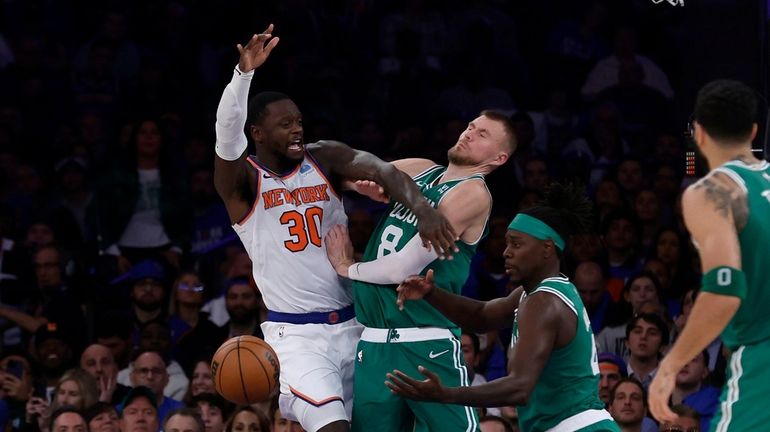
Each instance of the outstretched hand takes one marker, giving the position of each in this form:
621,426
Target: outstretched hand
437,232
660,393
256,50
429,389
414,288
339,249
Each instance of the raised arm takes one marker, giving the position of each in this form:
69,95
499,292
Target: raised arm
466,208
474,315
353,164
714,209
539,324
231,175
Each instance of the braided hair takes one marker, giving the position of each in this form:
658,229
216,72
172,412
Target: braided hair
565,208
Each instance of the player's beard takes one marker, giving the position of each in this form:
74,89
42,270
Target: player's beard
458,159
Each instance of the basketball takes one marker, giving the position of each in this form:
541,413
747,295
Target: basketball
245,370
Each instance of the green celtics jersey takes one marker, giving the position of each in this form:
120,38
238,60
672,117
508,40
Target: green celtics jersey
751,324
569,383
376,304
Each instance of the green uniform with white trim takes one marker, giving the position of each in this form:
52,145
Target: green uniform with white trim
743,404
397,339
566,396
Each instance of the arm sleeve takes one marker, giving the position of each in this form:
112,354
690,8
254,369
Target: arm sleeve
394,267
231,116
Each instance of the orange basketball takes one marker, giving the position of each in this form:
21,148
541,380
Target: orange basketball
245,370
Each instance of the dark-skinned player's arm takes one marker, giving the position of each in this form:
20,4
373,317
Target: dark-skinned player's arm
231,174
539,324
466,207
352,164
714,209
473,315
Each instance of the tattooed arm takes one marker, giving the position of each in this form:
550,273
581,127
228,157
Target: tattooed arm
715,209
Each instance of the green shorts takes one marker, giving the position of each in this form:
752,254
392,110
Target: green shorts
743,404
380,351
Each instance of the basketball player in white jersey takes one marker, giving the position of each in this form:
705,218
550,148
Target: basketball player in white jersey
282,202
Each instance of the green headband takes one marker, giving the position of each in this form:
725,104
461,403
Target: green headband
536,228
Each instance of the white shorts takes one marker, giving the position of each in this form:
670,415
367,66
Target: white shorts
317,363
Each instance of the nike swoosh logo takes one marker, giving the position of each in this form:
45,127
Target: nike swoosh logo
431,355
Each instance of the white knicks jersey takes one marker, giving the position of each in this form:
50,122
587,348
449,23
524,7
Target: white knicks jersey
283,235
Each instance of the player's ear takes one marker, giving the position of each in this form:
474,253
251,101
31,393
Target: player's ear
256,133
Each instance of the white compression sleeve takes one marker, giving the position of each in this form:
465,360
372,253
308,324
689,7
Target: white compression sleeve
231,116
394,267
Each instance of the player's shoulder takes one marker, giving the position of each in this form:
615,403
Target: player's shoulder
414,166
323,146
469,192
719,184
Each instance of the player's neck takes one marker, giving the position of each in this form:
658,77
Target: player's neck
454,172
547,271
717,156
276,163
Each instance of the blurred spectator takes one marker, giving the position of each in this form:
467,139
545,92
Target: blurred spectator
691,389
149,371
183,420
630,178
647,210
613,337
277,421
52,302
536,176
142,204
155,339
201,381
192,333
74,193
607,198
248,418
139,411
628,406
647,336
590,283
237,264
16,385
115,335
611,369
213,409
98,361
673,250
76,390
102,417
605,73
714,350
53,353
583,247
620,235
245,308
471,346
148,293
68,419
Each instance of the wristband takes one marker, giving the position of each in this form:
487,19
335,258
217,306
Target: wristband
725,281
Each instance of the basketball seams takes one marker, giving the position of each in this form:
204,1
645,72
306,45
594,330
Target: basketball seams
240,371
259,361
237,388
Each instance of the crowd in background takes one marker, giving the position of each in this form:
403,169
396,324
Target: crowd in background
118,258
